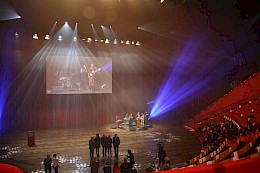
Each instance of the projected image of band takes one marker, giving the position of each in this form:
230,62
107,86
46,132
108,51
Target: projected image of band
89,75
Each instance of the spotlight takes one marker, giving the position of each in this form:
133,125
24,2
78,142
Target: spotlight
133,42
96,40
110,27
66,23
83,39
60,38
102,26
74,38
138,43
138,27
122,42
127,42
76,23
19,17
107,41
35,36
56,22
115,41
16,34
89,39
47,37
92,25
162,1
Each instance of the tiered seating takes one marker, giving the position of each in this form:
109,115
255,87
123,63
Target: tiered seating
246,93
241,112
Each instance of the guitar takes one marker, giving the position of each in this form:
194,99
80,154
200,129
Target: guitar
92,73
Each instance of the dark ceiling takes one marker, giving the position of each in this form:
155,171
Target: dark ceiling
124,16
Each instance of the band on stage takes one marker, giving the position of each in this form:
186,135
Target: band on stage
83,79
139,120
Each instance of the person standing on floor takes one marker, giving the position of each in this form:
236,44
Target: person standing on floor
116,143
55,162
104,143
109,145
91,147
131,158
97,144
47,164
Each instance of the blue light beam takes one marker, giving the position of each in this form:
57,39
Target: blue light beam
175,91
107,67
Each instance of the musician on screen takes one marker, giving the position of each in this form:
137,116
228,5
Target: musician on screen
91,76
83,76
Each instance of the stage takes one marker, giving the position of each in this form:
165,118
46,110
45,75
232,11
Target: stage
71,145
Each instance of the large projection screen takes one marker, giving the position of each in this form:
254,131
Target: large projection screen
74,75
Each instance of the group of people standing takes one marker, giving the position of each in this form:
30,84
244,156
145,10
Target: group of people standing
51,162
106,143
125,167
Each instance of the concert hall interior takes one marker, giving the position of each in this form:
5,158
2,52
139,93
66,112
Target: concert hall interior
182,75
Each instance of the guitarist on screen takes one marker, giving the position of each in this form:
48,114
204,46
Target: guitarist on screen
91,76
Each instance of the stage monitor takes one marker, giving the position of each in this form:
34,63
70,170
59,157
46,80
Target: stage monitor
74,75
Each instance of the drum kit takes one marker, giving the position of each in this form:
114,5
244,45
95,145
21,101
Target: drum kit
66,82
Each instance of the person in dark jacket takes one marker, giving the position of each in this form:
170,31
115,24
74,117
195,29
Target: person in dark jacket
107,168
47,163
97,144
125,167
131,158
109,145
91,147
94,165
104,144
116,142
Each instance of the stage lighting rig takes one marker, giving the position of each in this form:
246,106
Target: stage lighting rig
16,34
107,41
35,36
60,38
47,37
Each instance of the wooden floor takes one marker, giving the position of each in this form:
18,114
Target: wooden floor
71,145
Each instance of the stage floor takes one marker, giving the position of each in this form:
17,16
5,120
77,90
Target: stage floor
71,145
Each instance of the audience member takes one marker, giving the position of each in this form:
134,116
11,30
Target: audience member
55,163
116,142
91,147
107,168
47,164
131,158
104,144
125,167
116,168
109,145
94,165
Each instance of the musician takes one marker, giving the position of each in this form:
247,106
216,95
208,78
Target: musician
91,78
142,119
83,76
146,118
137,117
131,120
